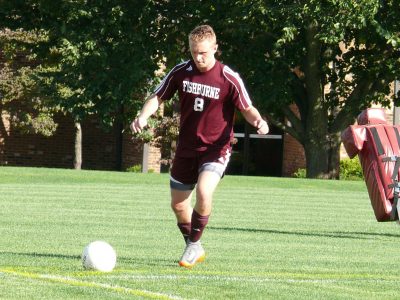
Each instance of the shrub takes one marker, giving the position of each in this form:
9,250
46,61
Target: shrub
135,169
300,173
350,169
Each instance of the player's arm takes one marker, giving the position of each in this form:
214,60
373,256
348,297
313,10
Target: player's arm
252,115
150,107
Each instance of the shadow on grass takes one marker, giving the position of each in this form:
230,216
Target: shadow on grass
35,254
339,234
131,261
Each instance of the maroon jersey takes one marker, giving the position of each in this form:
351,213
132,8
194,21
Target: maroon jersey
207,104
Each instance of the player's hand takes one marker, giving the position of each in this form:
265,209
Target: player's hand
262,126
138,125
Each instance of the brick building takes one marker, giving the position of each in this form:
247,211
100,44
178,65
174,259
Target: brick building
277,155
293,156
101,150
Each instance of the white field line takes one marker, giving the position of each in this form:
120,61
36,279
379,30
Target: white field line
75,282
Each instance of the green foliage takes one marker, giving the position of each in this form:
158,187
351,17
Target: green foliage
147,135
99,53
350,169
167,130
43,123
161,132
96,57
296,50
99,57
135,169
300,173
29,109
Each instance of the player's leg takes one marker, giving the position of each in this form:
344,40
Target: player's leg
182,182
212,169
182,208
181,205
209,178
213,165
206,185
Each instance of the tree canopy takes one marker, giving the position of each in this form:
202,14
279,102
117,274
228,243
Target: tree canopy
96,58
99,50
28,108
331,58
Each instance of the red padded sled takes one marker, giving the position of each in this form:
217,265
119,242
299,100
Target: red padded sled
378,147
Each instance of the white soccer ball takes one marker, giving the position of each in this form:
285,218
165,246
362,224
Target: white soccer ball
99,256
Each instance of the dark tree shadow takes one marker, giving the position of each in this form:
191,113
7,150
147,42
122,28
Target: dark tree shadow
337,234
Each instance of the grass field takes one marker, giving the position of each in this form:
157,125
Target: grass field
268,238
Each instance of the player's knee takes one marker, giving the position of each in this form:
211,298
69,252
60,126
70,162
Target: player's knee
203,207
178,207
174,206
204,195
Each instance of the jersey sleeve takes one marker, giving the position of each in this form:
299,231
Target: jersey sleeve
167,87
241,98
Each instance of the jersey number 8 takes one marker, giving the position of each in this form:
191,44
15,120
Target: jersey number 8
198,104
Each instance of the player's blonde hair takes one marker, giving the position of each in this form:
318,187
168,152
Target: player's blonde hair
201,33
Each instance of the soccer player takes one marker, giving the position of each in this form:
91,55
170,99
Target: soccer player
209,92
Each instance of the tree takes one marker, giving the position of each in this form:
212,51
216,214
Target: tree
331,58
20,98
98,53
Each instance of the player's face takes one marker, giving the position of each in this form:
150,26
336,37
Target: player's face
203,54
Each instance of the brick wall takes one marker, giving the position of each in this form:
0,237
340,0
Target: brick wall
132,153
293,156
153,160
99,147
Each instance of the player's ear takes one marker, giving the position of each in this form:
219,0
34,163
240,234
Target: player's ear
215,48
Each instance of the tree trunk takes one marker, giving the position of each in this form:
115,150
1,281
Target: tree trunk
317,140
322,157
316,160
334,156
78,146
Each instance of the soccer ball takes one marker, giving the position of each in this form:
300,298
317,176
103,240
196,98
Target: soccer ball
99,256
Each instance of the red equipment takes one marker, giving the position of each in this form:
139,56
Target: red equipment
378,147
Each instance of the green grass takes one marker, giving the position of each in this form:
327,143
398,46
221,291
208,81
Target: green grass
268,238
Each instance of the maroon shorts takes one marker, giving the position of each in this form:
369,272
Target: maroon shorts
186,170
